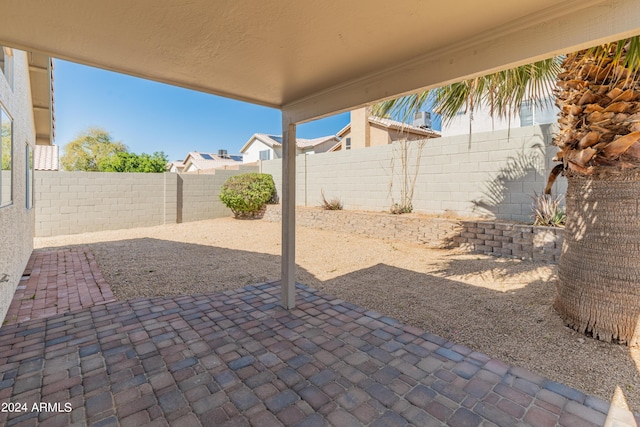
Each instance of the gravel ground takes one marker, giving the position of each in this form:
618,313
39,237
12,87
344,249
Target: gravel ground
501,307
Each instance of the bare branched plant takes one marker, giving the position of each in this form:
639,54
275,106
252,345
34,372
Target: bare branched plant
333,204
408,154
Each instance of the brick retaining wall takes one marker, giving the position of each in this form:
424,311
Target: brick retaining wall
505,239
433,232
511,240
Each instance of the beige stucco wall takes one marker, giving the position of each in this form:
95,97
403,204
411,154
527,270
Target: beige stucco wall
378,136
324,147
16,222
366,134
344,137
360,128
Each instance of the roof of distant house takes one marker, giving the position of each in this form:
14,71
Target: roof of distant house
46,158
396,125
204,161
276,141
179,164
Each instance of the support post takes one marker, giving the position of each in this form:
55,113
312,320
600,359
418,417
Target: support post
288,278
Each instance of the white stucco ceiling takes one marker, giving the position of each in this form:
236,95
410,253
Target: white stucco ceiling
310,57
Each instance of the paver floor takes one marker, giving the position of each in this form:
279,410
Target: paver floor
57,282
238,359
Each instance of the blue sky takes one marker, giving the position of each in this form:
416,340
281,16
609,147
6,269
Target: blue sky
149,116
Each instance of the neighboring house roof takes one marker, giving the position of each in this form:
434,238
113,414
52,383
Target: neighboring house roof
311,143
269,140
46,158
178,164
395,125
202,161
274,141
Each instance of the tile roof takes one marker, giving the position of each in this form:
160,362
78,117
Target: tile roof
276,141
46,158
202,161
179,165
394,124
307,143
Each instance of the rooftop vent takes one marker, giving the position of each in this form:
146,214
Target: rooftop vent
422,119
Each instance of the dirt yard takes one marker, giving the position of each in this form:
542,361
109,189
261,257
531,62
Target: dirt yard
501,307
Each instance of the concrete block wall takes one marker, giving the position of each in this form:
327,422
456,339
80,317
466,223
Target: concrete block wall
78,202
200,194
491,175
496,238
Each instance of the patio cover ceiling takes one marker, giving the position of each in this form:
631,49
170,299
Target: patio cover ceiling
311,58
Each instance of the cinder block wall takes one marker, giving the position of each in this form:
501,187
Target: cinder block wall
200,195
78,202
493,175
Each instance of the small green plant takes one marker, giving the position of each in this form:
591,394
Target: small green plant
547,210
247,194
333,204
398,209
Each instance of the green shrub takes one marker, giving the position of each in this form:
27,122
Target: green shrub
247,194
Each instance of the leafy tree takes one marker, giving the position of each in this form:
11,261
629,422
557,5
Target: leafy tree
598,93
90,147
132,162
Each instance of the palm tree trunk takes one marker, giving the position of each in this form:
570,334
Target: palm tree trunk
598,291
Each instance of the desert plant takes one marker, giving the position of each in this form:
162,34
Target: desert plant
247,194
405,168
398,208
547,210
333,204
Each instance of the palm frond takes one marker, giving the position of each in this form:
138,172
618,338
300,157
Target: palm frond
404,107
501,92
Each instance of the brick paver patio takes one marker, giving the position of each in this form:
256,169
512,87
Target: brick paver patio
238,359
57,282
